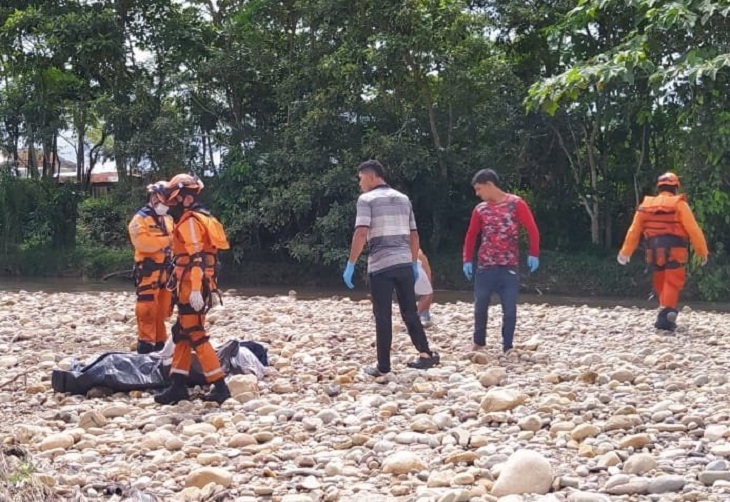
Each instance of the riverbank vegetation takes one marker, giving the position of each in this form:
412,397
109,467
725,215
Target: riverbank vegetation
578,105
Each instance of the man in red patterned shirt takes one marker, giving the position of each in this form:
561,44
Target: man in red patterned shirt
498,219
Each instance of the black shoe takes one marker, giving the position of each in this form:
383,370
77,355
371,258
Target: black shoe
145,347
672,318
665,319
373,371
219,393
174,393
423,363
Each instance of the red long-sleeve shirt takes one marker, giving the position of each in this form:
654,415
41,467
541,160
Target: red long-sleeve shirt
499,225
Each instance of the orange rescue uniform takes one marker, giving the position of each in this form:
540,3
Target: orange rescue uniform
667,224
151,236
197,237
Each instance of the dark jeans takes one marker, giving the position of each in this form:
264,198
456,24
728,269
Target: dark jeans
504,281
382,284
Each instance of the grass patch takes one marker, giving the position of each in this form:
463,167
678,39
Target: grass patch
18,479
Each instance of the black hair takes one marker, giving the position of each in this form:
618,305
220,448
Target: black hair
372,166
667,188
485,176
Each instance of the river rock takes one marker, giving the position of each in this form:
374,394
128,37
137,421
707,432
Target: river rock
498,399
493,376
526,471
640,463
204,475
62,440
403,462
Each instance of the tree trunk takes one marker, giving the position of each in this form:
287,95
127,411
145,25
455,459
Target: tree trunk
55,159
46,157
595,225
121,162
80,147
442,178
590,140
32,164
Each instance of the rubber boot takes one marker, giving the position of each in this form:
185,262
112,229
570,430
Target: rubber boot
145,347
665,319
175,393
672,318
219,393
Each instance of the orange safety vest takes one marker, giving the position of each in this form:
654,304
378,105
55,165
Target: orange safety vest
213,239
666,238
151,237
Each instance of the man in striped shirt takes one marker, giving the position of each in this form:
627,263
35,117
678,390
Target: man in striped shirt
386,223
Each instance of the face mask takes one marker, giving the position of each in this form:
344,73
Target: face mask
161,209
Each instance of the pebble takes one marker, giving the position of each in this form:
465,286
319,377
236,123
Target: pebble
593,395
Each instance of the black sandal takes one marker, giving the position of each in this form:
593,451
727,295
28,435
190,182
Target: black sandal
423,363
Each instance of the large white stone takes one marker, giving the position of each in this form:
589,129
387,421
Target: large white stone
525,471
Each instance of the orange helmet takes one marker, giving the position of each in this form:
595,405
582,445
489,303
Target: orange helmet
183,184
668,179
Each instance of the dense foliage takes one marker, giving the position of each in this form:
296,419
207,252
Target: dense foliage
579,105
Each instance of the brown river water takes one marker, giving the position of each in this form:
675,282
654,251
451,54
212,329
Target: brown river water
75,285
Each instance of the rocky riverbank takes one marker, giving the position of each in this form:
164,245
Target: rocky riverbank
593,405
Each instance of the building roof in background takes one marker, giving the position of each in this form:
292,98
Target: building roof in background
24,156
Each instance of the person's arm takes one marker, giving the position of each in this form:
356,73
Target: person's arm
527,220
632,236
426,265
143,240
471,237
362,224
415,245
414,238
359,239
696,237
191,233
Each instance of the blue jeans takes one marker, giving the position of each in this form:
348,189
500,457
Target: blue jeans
505,282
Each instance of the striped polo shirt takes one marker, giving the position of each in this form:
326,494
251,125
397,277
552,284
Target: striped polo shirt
388,214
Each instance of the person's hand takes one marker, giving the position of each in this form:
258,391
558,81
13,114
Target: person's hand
196,301
415,270
622,259
701,260
347,275
468,270
532,263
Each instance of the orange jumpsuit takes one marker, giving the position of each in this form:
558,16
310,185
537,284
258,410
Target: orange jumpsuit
195,245
151,236
667,224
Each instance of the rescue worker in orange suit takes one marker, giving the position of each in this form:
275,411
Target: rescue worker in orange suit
197,237
151,234
667,224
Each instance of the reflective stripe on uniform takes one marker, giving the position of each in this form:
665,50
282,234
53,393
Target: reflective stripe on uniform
194,239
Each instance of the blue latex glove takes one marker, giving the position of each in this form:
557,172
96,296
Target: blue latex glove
468,270
532,263
415,270
347,274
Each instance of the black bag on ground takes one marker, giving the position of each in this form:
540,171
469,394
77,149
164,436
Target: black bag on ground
127,371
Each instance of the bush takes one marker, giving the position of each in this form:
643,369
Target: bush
37,213
103,221
82,261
